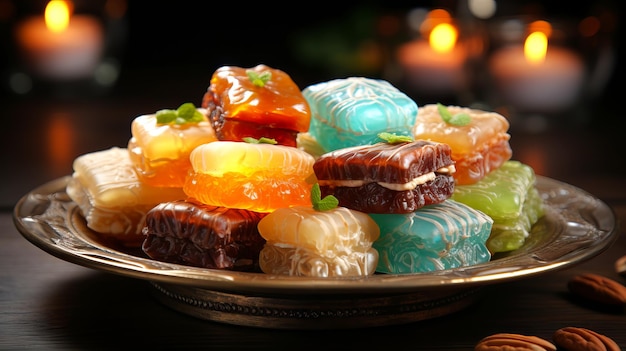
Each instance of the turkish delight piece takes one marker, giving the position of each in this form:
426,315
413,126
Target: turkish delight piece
478,147
436,237
256,102
257,177
194,234
508,195
302,241
353,111
387,177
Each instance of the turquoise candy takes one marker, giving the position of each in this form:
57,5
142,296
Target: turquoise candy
353,111
508,195
436,237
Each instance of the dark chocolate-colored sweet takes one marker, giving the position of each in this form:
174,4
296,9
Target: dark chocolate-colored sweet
383,162
194,234
373,198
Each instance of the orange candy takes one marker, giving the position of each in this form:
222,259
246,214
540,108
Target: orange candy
477,148
255,177
238,108
160,152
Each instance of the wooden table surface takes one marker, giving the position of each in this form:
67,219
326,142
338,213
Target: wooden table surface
47,303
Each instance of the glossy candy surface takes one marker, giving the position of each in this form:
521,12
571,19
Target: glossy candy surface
111,196
238,108
387,178
352,111
507,195
477,148
205,236
256,177
304,242
436,237
160,152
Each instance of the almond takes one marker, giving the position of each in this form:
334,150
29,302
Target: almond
599,289
620,266
581,339
516,342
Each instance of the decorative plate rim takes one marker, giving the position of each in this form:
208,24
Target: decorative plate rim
576,227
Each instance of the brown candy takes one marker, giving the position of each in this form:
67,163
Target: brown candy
581,339
620,266
513,342
203,236
598,288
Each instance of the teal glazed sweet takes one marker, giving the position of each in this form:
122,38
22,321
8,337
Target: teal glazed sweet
508,195
352,111
436,237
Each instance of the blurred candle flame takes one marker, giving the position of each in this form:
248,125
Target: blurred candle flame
536,44
57,15
443,38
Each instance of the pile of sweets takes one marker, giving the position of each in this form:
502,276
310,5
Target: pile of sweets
342,178
486,178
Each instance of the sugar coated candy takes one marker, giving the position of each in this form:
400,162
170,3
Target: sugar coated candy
256,102
387,177
436,237
111,197
302,241
509,196
257,177
160,151
478,147
352,111
194,234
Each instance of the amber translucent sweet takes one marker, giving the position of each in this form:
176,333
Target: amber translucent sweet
437,237
110,195
160,152
304,242
256,177
205,236
477,148
233,97
508,195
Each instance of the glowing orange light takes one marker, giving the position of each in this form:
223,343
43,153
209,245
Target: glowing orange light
57,15
443,37
535,47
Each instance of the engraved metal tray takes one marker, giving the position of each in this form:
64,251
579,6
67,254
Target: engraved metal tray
577,226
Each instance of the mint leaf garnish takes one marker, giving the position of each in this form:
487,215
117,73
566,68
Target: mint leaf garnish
259,79
460,119
185,113
327,203
391,138
262,140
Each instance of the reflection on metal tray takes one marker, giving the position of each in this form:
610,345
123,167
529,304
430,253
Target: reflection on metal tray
576,227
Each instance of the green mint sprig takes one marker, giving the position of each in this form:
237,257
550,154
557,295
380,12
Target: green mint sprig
327,203
262,140
391,138
459,119
259,79
185,113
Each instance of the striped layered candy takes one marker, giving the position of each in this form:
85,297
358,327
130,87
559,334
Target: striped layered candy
256,177
509,196
353,111
477,148
304,242
436,237
387,178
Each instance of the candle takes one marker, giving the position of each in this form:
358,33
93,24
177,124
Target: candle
61,46
537,77
435,66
